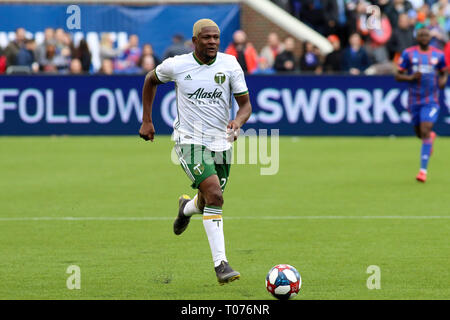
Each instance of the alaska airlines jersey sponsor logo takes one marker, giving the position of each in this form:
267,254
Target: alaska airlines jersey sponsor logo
201,93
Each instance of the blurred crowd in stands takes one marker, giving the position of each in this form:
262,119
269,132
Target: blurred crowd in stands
367,36
364,41
58,54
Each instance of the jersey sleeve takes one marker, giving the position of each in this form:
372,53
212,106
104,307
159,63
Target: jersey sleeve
164,72
404,63
237,81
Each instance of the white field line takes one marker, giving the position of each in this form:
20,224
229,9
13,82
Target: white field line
226,218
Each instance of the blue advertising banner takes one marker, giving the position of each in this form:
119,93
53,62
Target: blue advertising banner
153,24
296,105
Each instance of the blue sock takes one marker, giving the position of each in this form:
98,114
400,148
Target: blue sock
425,153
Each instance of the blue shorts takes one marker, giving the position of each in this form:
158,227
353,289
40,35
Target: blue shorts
424,113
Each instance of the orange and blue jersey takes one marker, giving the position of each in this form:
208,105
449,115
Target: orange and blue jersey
426,90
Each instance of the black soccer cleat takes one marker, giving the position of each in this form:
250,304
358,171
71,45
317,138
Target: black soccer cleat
181,222
225,273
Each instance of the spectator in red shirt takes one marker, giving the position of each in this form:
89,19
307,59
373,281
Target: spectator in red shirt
244,52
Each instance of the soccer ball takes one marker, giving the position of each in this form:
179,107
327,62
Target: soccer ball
283,281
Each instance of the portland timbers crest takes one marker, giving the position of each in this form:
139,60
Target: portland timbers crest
219,77
198,169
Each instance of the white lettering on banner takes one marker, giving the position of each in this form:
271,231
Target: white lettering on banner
447,103
125,108
332,105
324,110
405,115
169,108
301,103
33,105
25,96
446,98
266,103
111,106
384,104
359,102
73,116
5,105
50,116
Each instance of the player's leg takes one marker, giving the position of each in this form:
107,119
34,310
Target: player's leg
192,206
428,116
417,131
223,171
425,152
191,160
213,224
200,200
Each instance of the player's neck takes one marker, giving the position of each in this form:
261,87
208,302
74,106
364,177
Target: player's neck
424,48
203,59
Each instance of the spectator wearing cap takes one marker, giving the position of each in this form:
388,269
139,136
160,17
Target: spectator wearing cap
176,48
333,60
355,59
244,52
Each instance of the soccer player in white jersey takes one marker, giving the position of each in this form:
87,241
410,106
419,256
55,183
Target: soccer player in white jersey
205,82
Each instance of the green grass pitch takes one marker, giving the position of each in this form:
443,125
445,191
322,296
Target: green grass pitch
336,206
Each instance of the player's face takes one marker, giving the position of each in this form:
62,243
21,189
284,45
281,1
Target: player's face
208,42
423,37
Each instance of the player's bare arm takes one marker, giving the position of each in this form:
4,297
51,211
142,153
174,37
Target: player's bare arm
442,80
243,114
147,130
403,77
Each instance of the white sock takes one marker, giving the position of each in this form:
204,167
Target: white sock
213,223
191,207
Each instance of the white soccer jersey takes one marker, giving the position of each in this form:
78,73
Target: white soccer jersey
203,96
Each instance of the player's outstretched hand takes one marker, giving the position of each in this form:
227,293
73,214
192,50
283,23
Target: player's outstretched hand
233,131
147,131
